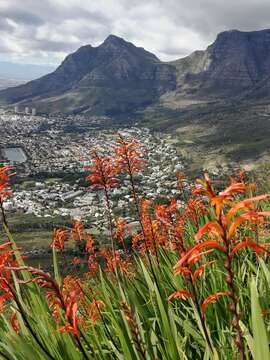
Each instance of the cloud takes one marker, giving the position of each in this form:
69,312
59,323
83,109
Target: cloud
47,30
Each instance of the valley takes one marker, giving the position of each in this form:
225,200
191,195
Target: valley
50,154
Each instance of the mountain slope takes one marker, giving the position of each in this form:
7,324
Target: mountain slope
220,109
216,101
118,77
234,67
112,78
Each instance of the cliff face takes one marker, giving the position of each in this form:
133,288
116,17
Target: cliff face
234,64
118,77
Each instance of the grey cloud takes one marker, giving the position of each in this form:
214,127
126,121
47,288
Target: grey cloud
170,28
4,25
53,46
22,17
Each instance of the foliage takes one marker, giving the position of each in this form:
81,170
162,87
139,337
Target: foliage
194,284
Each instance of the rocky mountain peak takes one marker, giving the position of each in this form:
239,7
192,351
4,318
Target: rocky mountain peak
114,40
117,76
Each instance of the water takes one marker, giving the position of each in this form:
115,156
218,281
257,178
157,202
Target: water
15,154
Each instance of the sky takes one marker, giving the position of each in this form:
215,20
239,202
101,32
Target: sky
45,31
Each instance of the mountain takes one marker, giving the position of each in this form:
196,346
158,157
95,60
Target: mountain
235,66
118,77
114,77
220,108
215,101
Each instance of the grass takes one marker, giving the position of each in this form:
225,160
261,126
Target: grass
33,239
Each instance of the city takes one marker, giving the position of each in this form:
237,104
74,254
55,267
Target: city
50,170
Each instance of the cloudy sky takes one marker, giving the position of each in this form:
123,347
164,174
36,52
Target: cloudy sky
44,31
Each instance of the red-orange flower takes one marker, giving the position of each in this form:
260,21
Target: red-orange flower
62,299
251,217
6,260
15,323
5,174
246,205
89,243
120,230
213,298
77,229
259,249
93,264
211,227
76,261
60,236
199,271
102,172
94,310
196,249
205,188
129,155
181,294
115,261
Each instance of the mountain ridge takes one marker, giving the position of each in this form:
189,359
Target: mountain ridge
117,77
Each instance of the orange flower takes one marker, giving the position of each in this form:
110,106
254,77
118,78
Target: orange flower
251,217
181,294
213,298
259,249
71,314
181,180
15,323
114,262
6,260
129,155
196,249
102,172
211,227
92,265
67,298
76,261
234,188
185,271
119,232
3,299
94,310
77,229
199,271
205,188
90,243
197,256
246,204
59,238
5,182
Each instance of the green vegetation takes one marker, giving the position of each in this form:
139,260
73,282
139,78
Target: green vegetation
214,135
193,282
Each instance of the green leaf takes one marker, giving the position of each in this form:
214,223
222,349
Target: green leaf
261,344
